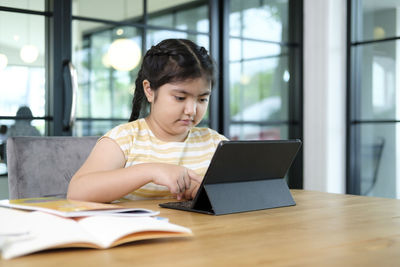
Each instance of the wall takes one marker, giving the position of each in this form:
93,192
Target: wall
324,95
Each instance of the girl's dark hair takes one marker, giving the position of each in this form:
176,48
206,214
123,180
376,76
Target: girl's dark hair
172,60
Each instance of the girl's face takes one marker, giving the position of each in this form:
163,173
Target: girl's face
177,107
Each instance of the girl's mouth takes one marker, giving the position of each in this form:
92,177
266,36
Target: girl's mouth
186,122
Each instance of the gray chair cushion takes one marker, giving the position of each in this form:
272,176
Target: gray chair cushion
43,166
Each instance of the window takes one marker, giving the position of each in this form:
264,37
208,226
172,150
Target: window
106,85
22,68
259,71
373,123
257,45
264,78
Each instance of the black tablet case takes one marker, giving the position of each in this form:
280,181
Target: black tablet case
245,176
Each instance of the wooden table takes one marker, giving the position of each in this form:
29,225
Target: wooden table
321,230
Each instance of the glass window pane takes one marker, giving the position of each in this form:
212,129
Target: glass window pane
235,49
259,89
379,155
156,36
258,70
22,86
94,128
107,61
253,50
20,127
116,10
269,15
37,5
22,63
379,20
183,15
258,132
166,20
194,19
161,5
244,49
379,87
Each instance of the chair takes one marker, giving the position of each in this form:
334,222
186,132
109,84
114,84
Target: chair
371,156
43,166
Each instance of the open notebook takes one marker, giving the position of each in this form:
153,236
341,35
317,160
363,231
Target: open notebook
244,176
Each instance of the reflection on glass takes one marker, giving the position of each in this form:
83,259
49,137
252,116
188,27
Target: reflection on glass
116,10
379,88
156,36
378,20
258,132
154,6
194,19
94,128
104,90
259,90
23,124
259,71
183,15
379,156
243,49
22,83
28,127
271,16
40,125
253,49
37,5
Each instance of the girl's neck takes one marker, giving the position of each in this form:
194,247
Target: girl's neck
161,134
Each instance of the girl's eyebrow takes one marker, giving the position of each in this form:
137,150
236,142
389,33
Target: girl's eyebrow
181,91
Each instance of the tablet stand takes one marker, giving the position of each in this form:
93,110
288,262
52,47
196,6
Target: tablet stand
225,198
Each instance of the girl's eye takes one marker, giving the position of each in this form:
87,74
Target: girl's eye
203,99
179,98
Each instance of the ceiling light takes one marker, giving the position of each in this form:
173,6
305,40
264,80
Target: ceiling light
124,54
29,53
120,31
105,60
379,33
244,79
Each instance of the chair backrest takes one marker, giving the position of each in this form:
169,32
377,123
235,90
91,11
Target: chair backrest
43,166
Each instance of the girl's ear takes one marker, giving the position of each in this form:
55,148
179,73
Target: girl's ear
147,91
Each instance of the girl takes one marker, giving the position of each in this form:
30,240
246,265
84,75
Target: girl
163,154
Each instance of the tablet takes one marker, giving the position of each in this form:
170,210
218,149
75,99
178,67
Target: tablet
244,176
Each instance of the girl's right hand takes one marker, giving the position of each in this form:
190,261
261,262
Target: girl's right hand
177,178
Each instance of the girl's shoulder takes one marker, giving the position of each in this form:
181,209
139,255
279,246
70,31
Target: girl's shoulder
127,129
126,134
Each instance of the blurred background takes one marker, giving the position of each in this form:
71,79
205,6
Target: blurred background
321,71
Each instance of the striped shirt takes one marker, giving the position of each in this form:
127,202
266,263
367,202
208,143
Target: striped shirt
140,145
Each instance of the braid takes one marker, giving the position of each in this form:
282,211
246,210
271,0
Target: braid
157,50
138,97
191,52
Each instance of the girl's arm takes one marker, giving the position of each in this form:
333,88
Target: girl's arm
103,178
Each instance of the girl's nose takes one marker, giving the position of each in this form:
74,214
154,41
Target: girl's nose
190,108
